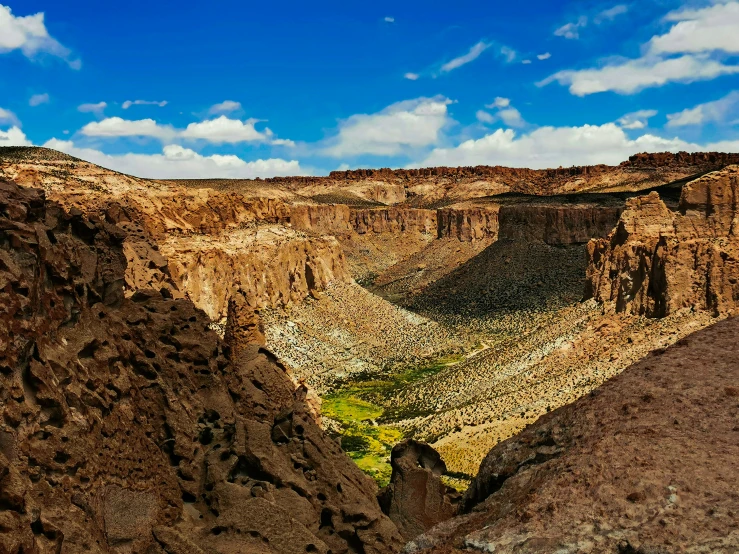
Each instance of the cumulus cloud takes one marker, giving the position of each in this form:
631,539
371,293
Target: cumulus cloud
128,103
719,111
544,56
177,162
38,99
389,19
484,117
14,137
636,120
631,76
705,30
6,116
93,108
506,113
398,128
29,35
118,127
225,130
220,130
227,106
685,54
549,147
411,76
470,56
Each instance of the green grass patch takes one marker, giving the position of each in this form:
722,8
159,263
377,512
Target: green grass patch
359,406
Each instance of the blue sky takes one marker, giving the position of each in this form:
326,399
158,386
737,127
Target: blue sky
244,89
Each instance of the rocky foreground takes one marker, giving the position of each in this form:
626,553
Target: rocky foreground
648,463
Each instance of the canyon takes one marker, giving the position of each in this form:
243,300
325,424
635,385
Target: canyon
252,338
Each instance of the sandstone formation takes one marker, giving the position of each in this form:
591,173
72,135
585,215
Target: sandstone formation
416,499
657,261
127,426
647,463
394,220
468,224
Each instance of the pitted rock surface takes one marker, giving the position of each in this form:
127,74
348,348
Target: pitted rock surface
128,426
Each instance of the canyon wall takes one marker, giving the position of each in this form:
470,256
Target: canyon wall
556,224
657,261
273,266
128,426
467,224
323,219
394,220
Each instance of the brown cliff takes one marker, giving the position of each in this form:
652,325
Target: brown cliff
394,220
467,224
556,224
657,261
127,426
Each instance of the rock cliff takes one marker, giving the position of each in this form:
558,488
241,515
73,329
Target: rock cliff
658,261
127,426
467,224
394,220
556,224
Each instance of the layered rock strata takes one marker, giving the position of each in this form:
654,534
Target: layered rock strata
127,426
658,261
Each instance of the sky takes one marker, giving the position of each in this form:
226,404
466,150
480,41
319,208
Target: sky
260,89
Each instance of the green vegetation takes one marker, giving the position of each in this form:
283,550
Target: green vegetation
367,434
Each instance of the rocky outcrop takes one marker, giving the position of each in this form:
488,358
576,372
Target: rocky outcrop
273,266
394,220
468,224
646,463
127,426
416,499
657,261
557,224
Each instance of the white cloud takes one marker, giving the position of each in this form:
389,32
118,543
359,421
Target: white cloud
128,103
511,117
389,19
718,111
499,102
226,106
704,30
470,56
632,76
636,120
484,117
38,99
29,35
544,56
549,147
572,30
611,13
411,76
398,128
526,62
93,108
176,162
14,137
118,127
6,116
283,142
696,34
223,129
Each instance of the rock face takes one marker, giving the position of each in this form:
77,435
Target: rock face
324,219
657,261
273,266
646,463
127,426
467,224
416,499
394,220
556,224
